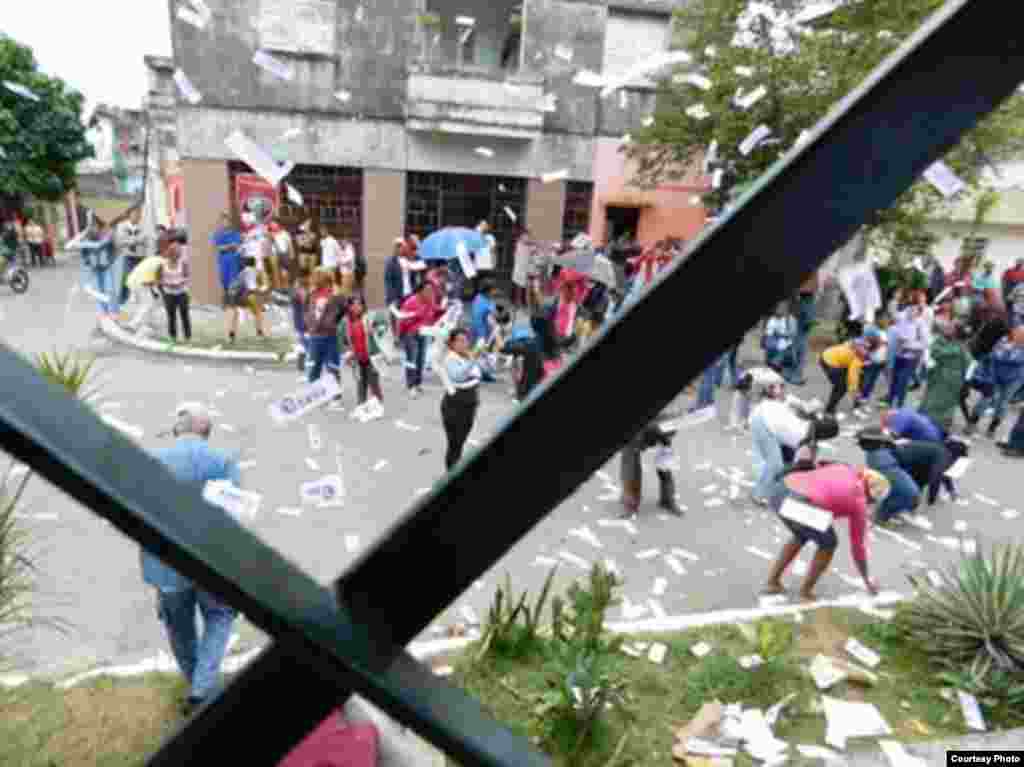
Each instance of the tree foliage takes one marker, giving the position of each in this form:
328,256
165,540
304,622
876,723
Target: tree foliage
41,142
806,71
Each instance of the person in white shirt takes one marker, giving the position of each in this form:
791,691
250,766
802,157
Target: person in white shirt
347,268
777,432
330,250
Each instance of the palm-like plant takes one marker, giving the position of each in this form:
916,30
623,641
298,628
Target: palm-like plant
974,619
73,372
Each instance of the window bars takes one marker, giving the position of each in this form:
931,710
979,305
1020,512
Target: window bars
958,68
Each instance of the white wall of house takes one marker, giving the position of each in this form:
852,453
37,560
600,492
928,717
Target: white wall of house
1006,242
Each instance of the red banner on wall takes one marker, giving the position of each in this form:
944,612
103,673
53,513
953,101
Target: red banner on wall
176,199
253,192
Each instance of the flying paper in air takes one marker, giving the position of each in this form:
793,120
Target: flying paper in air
185,87
276,67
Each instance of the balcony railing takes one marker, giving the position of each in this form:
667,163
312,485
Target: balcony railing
475,105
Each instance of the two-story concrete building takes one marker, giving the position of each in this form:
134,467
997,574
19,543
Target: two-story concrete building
408,115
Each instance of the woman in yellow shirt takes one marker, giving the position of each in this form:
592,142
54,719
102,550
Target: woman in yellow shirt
843,364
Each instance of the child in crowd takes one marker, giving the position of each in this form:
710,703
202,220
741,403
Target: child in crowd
299,298
248,291
360,344
777,341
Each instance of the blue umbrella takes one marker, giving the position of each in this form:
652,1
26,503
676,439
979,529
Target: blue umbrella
442,245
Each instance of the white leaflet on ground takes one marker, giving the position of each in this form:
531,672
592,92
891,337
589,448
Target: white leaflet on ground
684,554
769,600
746,101
630,611
759,553
406,426
1011,514
657,653
545,561
675,565
469,615
864,654
351,543
484,151
648,554
941,176
744,71
700,649
326,492
185,87
343,96
290,511
571,558
971,711
312,464
960,526
557,175
586,534
274,66
709,488
750,143
694,79
851,720
825,675
659,587
898,756
698,112
657,609
986,500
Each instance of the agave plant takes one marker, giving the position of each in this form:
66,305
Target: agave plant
972,620
71,370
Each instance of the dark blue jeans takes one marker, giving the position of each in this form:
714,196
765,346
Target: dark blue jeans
415,347
1016,438
904,494
804,323
324,351
902,373
198,657
871,376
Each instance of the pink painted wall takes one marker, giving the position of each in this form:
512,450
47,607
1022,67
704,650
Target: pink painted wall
671,213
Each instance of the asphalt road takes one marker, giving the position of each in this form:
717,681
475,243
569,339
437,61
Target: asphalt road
90,574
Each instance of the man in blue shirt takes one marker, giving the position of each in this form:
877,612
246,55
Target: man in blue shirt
909,424
482,313
227,241
193,461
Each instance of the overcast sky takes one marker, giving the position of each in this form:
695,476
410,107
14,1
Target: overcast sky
96,47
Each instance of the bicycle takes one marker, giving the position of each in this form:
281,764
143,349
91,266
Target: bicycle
14,275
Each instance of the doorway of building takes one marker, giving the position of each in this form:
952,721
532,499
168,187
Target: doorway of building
436,200
622,221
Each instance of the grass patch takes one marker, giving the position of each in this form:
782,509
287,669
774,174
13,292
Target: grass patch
666,696
107,722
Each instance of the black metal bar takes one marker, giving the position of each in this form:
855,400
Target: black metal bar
318,644
916,106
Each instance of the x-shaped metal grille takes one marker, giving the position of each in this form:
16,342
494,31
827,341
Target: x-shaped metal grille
958,68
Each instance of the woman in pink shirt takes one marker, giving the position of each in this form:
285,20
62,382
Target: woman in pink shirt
842,491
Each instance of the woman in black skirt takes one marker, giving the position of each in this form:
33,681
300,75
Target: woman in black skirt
458,408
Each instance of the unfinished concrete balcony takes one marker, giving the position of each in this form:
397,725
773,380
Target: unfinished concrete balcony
474,104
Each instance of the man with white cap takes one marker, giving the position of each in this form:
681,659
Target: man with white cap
192,461
776,429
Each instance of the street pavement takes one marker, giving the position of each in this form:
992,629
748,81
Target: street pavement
718,552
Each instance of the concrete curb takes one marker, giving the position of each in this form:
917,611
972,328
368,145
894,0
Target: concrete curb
115,333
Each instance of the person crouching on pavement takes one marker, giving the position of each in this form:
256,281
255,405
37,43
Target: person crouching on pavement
842,365
657,433
844,492
777,431
192,460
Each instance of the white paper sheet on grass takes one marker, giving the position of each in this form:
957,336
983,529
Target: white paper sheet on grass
851,720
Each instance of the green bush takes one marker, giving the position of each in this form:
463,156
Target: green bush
974,620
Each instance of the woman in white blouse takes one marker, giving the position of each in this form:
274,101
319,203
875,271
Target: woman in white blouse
462,381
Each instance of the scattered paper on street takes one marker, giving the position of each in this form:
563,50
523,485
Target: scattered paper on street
956,471
588,79
660,586
191,17
648,554
327,492
351,543
898,755
563,52
657,653
484,151
586,534
571,558
343,96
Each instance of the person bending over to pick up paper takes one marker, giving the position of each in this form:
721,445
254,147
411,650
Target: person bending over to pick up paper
838,490
657,433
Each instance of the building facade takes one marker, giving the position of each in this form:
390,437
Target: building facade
408,115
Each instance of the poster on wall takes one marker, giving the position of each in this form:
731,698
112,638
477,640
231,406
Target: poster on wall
257,197
176,200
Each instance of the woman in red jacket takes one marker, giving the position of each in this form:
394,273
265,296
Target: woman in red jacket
418,311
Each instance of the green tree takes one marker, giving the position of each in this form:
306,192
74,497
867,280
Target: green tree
805,70
41,141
